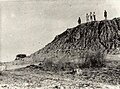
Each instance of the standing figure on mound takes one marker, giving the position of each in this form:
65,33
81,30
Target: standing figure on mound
94,16
105,14
87,17
79,21
91,18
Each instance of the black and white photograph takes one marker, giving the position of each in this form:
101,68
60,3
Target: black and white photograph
59,44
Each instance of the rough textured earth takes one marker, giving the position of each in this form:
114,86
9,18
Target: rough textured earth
96,35
35,78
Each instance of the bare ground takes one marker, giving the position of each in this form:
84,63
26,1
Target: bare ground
34,78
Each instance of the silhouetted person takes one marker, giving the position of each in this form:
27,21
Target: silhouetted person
79,20
91,18
87,17
94,16
105,14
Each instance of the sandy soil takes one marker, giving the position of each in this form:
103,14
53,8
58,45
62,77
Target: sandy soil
30,78
18,76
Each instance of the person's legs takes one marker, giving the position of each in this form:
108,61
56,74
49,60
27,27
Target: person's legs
105,18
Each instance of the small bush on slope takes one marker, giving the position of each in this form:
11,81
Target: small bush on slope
93,60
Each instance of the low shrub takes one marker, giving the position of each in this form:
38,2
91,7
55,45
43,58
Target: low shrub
89,60
93,60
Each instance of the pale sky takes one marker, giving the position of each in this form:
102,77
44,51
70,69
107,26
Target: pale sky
28,25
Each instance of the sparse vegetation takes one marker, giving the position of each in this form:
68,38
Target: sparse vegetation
90,60
32,77
93,60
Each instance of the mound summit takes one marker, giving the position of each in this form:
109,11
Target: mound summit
96,35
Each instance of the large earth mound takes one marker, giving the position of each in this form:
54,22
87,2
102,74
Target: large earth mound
96,35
